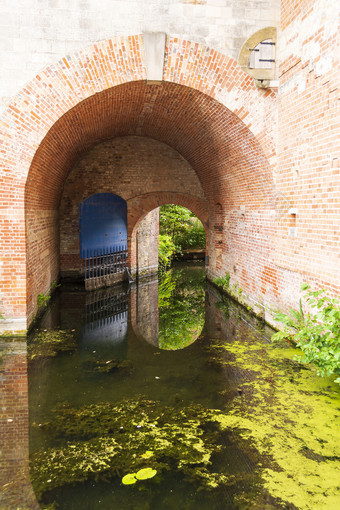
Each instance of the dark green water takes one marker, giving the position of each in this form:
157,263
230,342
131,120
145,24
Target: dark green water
191,389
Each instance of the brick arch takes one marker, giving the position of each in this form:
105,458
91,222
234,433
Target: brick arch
139,207
46,128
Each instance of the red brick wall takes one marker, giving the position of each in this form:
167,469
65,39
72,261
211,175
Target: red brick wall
129,167
292,10
147,244
309,147
206,109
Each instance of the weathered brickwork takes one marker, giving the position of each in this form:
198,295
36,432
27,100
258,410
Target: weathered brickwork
307,245
37,33
147,244
186,117
126,166
267,165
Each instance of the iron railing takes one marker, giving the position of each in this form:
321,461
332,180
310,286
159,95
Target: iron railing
104,262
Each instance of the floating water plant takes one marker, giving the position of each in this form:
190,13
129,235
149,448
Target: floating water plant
118,438
47,344
108,366
129,479
290,416
142,474
146,473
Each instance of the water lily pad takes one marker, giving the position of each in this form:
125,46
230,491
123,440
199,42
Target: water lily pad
146,473
129,479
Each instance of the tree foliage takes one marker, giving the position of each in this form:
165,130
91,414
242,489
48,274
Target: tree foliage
184,228
316,333
166,252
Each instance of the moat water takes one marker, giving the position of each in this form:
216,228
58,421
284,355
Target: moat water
167,396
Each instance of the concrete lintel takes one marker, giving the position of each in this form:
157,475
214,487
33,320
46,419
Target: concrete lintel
154,50
13,326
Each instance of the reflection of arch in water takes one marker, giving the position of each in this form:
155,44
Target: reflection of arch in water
168,327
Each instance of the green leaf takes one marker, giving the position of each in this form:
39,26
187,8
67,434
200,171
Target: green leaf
146,473
129,479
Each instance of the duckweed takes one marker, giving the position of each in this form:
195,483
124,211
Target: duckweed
47,344
123,438
291,417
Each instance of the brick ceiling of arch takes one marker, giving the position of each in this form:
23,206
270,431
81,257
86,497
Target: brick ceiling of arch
227,157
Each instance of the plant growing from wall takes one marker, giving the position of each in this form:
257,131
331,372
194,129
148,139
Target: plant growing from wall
43,299
317,333
223,281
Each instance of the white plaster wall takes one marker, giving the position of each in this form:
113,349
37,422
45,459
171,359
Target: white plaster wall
35,33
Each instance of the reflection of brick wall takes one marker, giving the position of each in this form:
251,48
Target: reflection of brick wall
15,487
143,311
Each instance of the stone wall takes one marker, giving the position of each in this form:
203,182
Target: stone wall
37,33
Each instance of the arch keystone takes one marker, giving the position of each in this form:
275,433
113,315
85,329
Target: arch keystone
154,54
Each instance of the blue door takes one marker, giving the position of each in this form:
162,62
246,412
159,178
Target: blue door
102,225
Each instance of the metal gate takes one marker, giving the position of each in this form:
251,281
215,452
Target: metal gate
103,238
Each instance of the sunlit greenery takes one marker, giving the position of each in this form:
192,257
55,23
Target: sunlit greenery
183,227
181,308
166,252
290,416
318,333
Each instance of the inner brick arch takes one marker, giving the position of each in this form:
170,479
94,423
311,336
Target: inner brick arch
139,207
78,102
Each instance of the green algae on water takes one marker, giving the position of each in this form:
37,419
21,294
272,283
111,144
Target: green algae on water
116,439
292,418
47,344
108,366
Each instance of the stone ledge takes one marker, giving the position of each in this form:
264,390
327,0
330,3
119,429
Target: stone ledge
16,326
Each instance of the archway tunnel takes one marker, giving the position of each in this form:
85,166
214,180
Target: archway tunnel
150,144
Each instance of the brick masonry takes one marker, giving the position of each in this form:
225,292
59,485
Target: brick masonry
256,154
37,33
126,166
309,145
